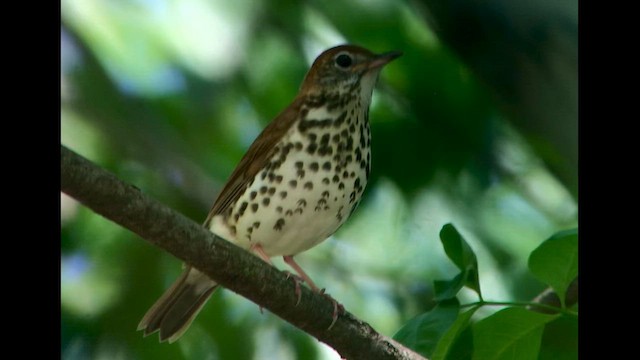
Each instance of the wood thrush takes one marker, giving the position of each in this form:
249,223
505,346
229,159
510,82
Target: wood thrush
298,182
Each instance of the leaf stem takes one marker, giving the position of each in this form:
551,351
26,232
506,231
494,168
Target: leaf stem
522,304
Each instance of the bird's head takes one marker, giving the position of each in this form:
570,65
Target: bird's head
346,68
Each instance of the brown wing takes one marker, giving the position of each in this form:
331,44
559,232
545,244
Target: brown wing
255,159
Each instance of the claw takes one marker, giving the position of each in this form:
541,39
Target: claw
297,280
303,277
338,309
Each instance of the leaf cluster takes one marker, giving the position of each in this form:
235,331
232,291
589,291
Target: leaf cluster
518,331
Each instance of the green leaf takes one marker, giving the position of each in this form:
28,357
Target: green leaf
423,332
452,334
448,289
512,333
560,339
462,255
555,261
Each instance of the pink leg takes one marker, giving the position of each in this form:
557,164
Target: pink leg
289,260
336,306
257,249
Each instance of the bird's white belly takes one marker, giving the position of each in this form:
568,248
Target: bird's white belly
297,204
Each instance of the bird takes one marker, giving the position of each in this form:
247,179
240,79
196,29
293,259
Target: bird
298,182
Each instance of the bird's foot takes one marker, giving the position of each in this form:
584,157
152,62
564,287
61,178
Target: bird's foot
297,280
338,309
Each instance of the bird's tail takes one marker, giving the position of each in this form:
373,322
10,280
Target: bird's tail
178,306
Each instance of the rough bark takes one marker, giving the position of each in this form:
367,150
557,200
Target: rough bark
229,265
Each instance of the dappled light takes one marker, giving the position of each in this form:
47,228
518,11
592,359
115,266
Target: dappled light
168,95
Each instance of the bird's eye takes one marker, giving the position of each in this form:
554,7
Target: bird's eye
344,61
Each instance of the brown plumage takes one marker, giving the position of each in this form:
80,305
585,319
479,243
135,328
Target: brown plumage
261,208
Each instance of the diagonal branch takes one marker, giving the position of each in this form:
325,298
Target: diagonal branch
229,265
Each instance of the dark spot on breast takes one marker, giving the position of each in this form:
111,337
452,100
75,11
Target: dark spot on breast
308,185
311,149
278,179
298,164
340,119
314,101
325,181
325,139
336,178
349,144
298,145
325,150
266,201
303,126
288,147
293,183
279,224
326,166
300,173
254,207
283,194
263,189
252,195
271,191
243,207
313,166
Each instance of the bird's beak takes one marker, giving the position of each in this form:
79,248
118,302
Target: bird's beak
383,59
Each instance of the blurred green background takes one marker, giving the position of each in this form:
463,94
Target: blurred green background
476,125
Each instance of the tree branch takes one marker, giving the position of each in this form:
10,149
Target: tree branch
229,265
